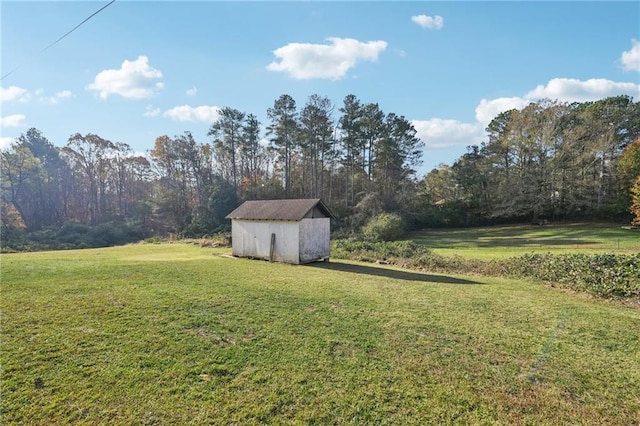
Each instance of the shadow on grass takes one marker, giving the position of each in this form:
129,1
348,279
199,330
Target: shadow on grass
389,273
489,242
561,234
533,242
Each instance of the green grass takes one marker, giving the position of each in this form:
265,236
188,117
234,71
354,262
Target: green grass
177,334
512,240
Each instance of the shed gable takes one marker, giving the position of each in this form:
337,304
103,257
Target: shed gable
294,209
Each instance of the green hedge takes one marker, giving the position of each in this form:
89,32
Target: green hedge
603,275
406,254
77,236
352,248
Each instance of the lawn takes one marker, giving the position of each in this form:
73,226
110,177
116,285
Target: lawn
512,240
178,334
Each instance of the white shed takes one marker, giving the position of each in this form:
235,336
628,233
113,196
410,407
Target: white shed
291,231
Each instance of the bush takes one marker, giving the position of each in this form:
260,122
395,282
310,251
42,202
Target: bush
111,234
156,239
604,275
77,236
384,227
351,248
71,233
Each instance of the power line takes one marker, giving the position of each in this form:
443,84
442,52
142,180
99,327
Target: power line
63,36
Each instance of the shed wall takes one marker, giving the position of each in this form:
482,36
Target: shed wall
314,239
253,239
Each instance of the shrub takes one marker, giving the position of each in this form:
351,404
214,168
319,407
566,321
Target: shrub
352,248
603,275
77,235
110,234
384,227
156,239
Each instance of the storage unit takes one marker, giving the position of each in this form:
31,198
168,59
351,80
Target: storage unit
290,231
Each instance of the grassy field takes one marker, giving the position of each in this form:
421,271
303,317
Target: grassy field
512,240
177,334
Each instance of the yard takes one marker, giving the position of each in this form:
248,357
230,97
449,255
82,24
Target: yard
178,334
512,240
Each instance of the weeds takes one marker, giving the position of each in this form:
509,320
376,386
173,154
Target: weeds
602,274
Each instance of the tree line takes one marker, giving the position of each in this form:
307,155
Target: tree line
548,161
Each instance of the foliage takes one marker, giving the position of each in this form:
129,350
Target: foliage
384,227
283,130
227,134
628,165
11,224
604,275
185,178
317,144
367,208
635,201
210,217
407,254
74,235
356,249
547,161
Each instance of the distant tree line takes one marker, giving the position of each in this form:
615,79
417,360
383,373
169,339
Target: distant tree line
547,161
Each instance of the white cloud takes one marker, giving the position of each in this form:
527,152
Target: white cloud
430,22
14,93
5,142
439,133
150,111
134,80
65,94
306,61
631,58
572,90
487,110
203,114
14,120
192,91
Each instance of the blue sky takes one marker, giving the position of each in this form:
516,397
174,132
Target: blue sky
139,70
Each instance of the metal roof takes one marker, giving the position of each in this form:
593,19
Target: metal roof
295,209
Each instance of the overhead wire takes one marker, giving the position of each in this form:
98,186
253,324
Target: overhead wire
62,37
